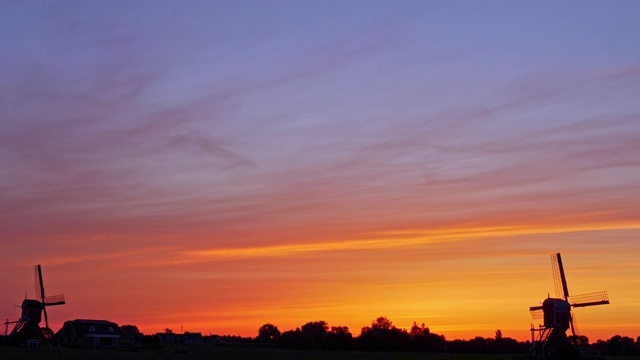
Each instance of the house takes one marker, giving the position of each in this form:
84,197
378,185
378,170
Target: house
192,338
186,338
167,338
89,333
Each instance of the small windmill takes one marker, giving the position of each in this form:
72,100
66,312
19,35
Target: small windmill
28,326
557,314
46,300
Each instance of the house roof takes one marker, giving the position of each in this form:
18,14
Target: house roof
94,322
87,327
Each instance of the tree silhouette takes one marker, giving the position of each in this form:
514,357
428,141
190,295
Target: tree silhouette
418,330
618,345
315,334
131,334
268,333
383,335
292,339
423,340
382,323
339,338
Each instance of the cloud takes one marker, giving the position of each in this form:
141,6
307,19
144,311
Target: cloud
400,239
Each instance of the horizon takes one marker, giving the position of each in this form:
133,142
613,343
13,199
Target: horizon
355,333
222,165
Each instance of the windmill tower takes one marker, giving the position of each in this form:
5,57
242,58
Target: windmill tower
28,326
552,340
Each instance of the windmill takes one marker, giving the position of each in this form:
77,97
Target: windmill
557,314
28,326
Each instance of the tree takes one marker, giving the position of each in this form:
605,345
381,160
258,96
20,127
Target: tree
127,330
423,340
580,340
292,339
339,338
498,335
131,334
168,331
340,330
382,323
479,345
268,333
621,345
383,335
315,333
418,330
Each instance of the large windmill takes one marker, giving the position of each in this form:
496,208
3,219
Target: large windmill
28,326
557,314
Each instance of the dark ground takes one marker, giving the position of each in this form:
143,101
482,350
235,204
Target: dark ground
216,353
207,352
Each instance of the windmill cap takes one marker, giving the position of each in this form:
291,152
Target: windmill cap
556,305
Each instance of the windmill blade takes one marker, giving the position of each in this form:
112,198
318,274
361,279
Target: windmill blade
41,294
39,283
46,318
590,299
574,323
559,279
573,330
575,337
536,314
54,300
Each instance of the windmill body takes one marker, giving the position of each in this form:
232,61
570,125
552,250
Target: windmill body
557,314
28,326
551,340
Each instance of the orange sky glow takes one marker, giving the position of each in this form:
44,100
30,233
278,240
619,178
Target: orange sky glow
216,166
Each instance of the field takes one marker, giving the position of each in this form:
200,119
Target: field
217,353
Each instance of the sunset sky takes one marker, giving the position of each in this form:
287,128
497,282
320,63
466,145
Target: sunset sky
217,165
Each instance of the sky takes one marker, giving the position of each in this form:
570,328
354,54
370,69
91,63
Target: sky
215,166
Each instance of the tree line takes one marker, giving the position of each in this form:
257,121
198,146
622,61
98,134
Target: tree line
382,335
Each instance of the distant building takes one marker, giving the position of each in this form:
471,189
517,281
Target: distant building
186,338
89,333
192,338
167,338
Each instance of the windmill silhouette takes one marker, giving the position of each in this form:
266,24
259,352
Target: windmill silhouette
28,328
552,340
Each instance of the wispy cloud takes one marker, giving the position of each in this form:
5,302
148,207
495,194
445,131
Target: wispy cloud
401,239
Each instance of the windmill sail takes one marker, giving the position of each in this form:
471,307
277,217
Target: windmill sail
576,331
590,299
536,314
54,300
37,277
46,300
559,279
560,283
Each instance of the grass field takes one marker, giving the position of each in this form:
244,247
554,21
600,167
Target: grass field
214,353
217,353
